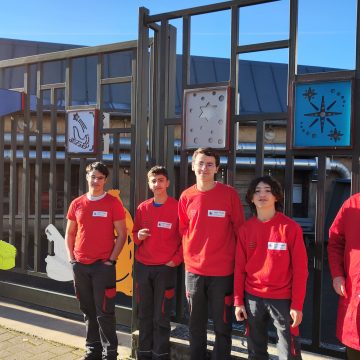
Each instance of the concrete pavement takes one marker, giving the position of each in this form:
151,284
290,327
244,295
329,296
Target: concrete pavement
32,334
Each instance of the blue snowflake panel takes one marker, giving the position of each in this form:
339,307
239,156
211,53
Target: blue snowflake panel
322,115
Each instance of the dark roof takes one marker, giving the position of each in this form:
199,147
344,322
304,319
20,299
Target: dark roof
262,85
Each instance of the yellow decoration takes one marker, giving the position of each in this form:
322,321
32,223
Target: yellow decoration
7,255
125,260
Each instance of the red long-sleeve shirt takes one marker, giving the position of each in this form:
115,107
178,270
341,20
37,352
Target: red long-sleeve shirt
164,244
344,260
271,261
209,221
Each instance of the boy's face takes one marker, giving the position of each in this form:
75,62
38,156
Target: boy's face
158,184
96,181
204,167
263,197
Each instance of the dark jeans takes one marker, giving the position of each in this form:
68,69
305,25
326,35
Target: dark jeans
216,292
95,287
155,291
259,312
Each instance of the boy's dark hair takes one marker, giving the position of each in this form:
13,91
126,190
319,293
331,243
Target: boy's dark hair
208,152
158,170
99,166
276,190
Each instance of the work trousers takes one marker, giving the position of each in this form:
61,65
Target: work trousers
95,287
215,292
154,294
259,312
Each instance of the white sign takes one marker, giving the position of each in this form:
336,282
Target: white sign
81,131
206,117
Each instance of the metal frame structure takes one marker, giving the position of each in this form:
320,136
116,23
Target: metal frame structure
161,117
35,272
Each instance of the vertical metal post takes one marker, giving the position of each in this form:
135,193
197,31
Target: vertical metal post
319,250
38,169
2,148
170,111
234,83
52,175
13,195
259,169
99,105
289,169
184,166
115,170
67,162
132,119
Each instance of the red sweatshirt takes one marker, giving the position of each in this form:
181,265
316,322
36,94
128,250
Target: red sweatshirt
344,260
209,222
164,244
271,261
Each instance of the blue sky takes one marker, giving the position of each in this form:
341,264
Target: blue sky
326,27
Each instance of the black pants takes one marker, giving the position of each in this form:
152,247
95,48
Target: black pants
259,312
95,287
155,291
216,291
352,354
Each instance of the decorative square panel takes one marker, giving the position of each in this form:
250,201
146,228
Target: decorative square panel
81,131
206,117
322,114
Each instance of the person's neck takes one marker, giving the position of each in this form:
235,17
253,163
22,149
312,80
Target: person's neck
205,185
96,193
160,199
266,214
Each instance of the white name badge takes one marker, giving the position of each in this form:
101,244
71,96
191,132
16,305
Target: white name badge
216,213
164,225
277,246
99,213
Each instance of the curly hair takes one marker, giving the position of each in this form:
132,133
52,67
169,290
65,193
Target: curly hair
276,190
98,166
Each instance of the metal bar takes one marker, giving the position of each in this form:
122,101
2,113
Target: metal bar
52,86
2,147
117,80
69,54
115,168
13,193
203,9
319,251
38,169
52,174
132,133
173,121
67,165
234,84
99,105
243,119
82,179
116,131
260,127
170,107
184,167
25,184
271,45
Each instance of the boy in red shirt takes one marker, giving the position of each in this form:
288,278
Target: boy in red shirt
210,214
93,249
270,272
159,251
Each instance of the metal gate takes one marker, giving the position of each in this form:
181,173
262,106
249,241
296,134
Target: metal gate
40,177
158,61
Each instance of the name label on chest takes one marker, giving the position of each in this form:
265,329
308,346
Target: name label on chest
216,213
164,225
277,246
99,213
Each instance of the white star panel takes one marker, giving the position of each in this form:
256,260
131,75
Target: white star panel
206,118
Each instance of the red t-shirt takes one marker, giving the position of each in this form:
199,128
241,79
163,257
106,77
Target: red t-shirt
164,244
95,226
209,222
271,261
